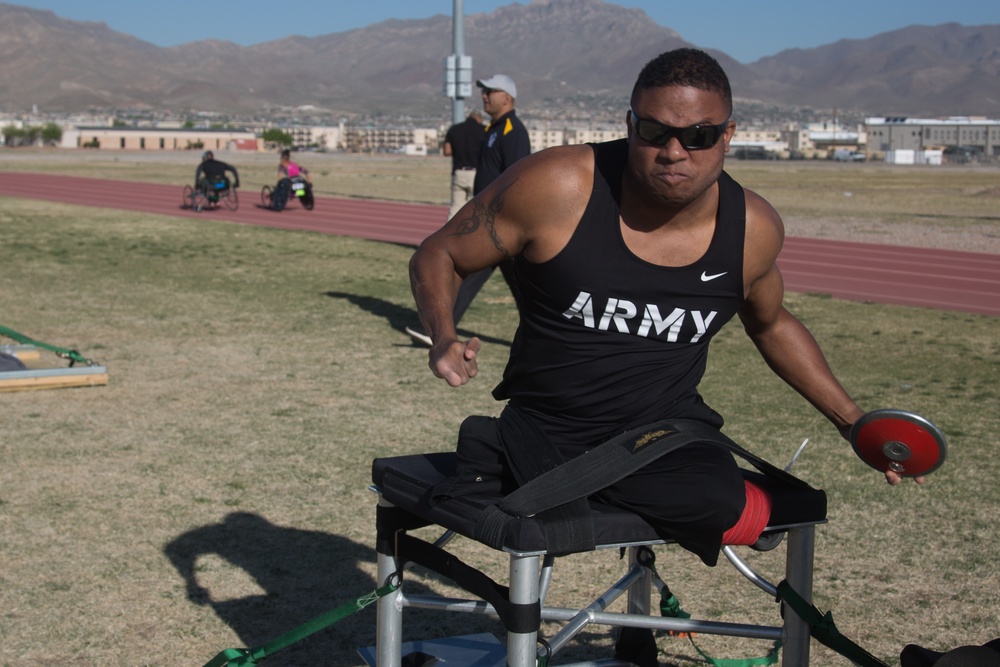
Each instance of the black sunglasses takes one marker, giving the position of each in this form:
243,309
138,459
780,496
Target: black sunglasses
693,138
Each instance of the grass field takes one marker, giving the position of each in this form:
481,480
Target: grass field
214,494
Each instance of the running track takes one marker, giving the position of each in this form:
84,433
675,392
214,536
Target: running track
940,279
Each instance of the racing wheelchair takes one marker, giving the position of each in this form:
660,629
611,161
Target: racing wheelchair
211,196
277,198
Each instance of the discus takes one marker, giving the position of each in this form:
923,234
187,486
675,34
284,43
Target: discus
900,441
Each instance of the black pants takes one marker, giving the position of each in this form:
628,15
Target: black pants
691,495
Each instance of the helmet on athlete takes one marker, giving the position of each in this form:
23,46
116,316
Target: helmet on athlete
207,155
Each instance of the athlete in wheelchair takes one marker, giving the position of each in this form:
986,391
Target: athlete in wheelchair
293,180
212,186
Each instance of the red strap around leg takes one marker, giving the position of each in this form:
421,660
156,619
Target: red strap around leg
754,519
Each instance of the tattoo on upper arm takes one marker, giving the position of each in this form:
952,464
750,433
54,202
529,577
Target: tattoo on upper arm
484,215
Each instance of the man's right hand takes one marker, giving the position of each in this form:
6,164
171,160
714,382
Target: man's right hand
454,361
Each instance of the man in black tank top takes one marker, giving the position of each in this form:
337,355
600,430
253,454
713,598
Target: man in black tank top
630,256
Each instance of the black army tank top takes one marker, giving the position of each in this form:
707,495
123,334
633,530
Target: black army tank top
608,341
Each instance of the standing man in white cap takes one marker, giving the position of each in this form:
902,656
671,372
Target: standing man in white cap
506,142
506,138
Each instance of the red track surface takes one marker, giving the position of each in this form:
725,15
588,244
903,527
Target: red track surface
942,279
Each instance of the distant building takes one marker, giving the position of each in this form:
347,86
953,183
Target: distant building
957,139
306,136
372,139
828,137
758,144
798,140
590,135
963,136
123,138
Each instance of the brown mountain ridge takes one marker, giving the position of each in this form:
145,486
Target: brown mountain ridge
582,52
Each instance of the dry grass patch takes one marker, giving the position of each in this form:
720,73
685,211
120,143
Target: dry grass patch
214,493
931,207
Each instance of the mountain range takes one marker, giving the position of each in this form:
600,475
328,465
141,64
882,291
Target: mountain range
567,55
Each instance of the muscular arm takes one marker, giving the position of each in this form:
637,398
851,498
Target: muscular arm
787,346
792,353
525,211
482,234
783,341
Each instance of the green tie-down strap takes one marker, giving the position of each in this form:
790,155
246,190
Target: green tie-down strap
670,607
764,660
822,627
73,356
239,657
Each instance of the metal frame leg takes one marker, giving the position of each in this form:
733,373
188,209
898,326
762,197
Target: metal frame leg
799,573
389,609
640,592
521,646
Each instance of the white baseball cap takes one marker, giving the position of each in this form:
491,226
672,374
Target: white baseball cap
499,82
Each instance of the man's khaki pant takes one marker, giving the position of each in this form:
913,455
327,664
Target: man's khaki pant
462,181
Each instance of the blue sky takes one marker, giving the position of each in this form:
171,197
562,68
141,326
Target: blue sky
744,30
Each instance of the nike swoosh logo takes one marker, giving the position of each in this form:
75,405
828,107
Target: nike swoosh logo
705,277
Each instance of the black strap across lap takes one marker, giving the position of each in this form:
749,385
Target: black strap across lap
556,492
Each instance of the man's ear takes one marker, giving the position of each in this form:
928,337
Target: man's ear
729,133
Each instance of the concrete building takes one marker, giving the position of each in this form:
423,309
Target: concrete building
594,135
120,138
798,140
965,136
303,136
372,139
327,138
545,138
828,137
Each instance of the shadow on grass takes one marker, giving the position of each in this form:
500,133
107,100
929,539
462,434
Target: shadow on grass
303,574
400,317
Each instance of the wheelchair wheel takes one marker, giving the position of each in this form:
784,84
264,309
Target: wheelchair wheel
265,196
231,200
187,200
307,200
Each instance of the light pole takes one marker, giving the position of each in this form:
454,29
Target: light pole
458,66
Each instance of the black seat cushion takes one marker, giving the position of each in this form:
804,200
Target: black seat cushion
406,482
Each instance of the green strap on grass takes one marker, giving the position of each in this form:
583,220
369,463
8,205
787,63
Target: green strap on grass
670,607
822,627
72,355
769,659
240,657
